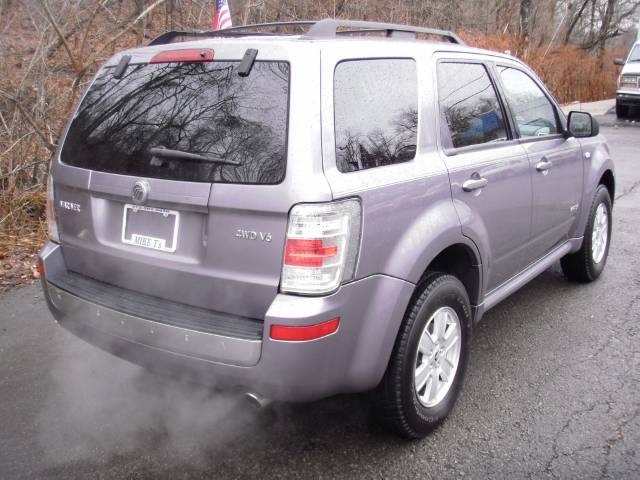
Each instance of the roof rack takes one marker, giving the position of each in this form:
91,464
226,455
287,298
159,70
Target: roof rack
243,30
330,28
327,28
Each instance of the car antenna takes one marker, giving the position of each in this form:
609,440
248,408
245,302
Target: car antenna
247,62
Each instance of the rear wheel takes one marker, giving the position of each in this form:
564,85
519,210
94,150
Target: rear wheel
587,264
622,111
425,372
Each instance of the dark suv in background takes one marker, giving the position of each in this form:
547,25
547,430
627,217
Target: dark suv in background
297,216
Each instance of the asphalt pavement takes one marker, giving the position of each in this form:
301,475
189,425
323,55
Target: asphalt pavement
552,391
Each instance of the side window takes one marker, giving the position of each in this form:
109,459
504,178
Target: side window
376,113
469,105
534,114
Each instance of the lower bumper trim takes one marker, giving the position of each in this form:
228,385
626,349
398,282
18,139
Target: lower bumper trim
193,343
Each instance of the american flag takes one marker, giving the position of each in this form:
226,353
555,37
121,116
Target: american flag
223,15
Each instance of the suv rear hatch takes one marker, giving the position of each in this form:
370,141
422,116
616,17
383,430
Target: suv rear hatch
173,179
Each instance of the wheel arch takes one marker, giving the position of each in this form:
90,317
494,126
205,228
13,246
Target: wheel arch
463,262
607,179
599,170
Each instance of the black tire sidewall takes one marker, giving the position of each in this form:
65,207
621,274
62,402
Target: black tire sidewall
595,269
449,293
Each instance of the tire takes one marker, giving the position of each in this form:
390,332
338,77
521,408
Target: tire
622,111
400,405
587,264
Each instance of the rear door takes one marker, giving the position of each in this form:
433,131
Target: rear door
556,161
488,169
178,175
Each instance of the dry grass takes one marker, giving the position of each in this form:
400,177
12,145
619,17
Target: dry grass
572,74
23,231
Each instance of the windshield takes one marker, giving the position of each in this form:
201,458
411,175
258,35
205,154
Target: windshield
205,109
634,56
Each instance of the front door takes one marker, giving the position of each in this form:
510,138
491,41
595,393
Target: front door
555,161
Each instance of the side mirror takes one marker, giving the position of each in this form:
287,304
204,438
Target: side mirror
582,125
618,61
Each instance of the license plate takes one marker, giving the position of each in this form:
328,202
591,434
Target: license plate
149,227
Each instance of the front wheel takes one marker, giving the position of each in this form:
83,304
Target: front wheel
587,264
425,372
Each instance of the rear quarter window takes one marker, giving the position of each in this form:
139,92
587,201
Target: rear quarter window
376,113
202,108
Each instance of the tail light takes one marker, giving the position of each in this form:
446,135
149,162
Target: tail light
322,245
52,224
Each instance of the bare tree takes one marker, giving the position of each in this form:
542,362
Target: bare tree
575,15
592,23
526,7
51,48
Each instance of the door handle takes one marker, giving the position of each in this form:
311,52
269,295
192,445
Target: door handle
474,184
543,166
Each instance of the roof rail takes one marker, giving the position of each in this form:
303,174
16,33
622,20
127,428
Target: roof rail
327,28
242,30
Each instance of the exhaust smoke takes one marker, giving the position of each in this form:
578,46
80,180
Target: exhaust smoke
101,406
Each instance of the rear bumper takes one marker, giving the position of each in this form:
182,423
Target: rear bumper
628,98
352,359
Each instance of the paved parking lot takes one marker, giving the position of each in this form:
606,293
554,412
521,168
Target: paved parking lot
553,390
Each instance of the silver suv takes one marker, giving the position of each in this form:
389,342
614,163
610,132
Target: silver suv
297,216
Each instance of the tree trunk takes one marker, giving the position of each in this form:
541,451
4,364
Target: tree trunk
526,7
575,19
604,28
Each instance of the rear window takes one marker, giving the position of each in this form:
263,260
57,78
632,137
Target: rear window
376,113
235,127
469,105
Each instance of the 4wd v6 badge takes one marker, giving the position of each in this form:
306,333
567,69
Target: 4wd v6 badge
253,235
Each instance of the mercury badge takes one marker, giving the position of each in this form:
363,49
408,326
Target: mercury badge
140,192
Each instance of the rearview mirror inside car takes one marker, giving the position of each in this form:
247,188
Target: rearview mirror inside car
582,125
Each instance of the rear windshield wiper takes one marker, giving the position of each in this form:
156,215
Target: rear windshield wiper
195,157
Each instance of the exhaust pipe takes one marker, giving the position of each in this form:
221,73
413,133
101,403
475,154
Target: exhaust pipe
257,401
